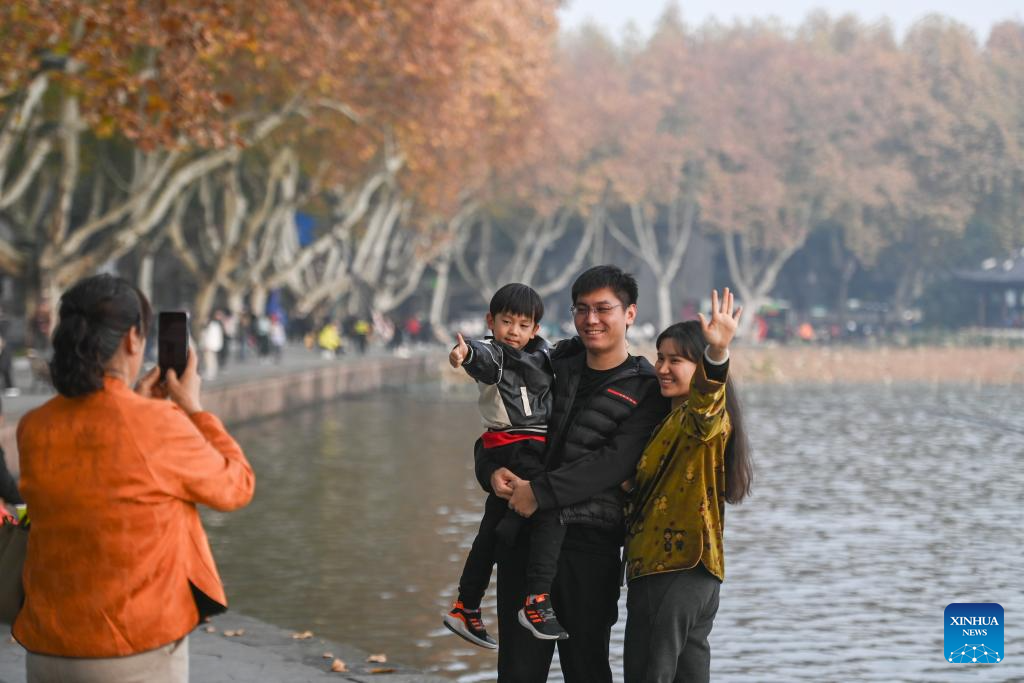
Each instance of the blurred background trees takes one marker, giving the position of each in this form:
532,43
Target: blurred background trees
394,156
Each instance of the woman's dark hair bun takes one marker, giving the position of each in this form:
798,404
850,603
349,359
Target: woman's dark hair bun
95,314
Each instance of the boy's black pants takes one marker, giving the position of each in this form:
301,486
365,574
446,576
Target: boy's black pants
546,534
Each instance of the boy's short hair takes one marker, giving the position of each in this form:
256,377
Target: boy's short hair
517,299
612,277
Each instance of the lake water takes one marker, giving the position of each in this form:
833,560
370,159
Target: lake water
873,508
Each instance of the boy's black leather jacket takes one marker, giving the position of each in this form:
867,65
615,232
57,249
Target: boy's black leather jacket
515,385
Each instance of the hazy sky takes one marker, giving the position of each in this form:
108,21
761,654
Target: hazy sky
613,14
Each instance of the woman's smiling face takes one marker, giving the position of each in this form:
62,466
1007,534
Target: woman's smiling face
674,370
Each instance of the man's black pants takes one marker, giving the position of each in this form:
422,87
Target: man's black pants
585,596
546,534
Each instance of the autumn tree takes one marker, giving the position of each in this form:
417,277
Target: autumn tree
656,176
171,100
951,136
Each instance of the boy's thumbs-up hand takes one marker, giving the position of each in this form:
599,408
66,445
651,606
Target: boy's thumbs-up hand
459,353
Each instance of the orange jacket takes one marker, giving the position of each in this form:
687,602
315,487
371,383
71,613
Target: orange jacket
112,480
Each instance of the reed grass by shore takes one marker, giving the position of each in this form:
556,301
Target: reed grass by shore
857,365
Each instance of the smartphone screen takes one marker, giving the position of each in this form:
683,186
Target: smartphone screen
172,341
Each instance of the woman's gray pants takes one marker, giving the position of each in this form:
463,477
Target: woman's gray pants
166,664
669,619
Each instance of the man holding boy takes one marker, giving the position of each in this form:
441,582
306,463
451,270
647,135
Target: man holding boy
606,404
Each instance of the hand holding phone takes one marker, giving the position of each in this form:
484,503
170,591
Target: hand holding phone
184,389
178,367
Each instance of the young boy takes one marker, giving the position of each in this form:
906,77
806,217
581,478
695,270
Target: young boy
514,376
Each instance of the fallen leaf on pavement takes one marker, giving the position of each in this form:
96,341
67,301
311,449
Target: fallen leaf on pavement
210,629
338,666
235,633
377,659
328,655
304,635
382,670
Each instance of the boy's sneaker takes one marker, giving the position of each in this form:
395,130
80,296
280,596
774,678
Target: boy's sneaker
468,624
539,617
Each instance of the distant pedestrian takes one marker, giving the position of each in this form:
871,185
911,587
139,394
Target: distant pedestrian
413,328
6,364
278,337
245,328
263,337
362,330
212,342
229,324
9,494
329,340
383,328
397,337
41,322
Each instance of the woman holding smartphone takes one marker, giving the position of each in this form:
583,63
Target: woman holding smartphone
119,569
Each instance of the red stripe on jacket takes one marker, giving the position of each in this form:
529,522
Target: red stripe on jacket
622,396
498,439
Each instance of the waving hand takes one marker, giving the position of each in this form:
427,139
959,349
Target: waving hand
724,321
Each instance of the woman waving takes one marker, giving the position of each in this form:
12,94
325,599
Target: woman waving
697,459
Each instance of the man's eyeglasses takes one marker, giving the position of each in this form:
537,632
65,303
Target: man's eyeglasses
583,311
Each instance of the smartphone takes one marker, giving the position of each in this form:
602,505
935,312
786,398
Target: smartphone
172,342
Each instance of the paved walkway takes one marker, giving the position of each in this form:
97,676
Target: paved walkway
262,654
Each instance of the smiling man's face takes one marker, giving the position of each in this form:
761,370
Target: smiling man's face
601,320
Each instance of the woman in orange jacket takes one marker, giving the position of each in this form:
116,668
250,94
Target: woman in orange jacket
119,569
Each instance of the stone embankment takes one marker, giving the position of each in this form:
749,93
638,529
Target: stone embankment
253,391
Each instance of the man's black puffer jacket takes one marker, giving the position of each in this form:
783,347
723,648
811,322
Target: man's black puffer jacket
587,460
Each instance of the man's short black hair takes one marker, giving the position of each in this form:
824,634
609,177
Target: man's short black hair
612,277
518,299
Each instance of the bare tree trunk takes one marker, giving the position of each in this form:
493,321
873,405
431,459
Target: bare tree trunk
439,298
236,302
20,120
593,227
145,279
663,255
665,317
258,300
753,278
203,303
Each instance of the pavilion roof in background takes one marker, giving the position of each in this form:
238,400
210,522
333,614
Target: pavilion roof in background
1009,271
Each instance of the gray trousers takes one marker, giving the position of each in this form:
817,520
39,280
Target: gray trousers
166,664
669,619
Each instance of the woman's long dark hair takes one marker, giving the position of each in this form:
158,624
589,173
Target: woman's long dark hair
739,467
95,314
